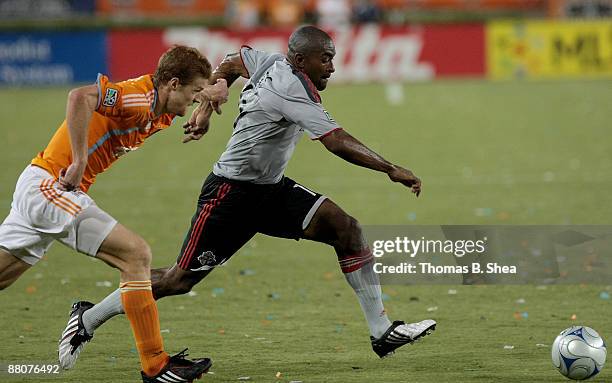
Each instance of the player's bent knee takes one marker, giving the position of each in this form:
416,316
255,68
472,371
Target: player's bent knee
133,257
350,235
139,255
335,227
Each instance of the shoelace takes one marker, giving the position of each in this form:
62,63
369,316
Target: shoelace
181,355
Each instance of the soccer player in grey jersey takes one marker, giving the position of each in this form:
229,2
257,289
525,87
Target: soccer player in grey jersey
248,193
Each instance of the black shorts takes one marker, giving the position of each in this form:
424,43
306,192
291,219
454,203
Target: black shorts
230,213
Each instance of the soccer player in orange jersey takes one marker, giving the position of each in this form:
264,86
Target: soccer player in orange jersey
103,122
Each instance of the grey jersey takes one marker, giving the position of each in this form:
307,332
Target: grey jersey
277,105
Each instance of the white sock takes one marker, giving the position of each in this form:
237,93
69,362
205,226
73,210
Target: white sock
366,285
103,311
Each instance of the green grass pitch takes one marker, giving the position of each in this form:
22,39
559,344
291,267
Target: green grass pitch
521,152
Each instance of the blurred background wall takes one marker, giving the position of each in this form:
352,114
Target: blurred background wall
58,42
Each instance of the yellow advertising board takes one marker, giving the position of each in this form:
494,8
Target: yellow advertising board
549,49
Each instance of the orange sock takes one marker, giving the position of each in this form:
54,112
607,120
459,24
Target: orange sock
141,310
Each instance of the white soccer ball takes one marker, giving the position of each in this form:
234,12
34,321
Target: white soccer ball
579,353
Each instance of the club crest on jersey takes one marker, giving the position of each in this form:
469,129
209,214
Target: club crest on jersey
110,98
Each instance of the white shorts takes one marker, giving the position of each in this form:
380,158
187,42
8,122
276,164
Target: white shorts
41,213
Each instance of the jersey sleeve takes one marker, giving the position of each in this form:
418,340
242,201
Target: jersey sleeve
253,59
300,109
109,96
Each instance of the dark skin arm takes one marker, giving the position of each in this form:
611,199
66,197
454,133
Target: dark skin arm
352,150
230,69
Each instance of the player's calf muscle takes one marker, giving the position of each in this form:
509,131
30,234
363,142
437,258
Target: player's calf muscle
176,282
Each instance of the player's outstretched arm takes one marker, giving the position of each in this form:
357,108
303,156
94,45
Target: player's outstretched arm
352,150
222,78
80,107
230,69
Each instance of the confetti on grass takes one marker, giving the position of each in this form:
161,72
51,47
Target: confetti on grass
274,296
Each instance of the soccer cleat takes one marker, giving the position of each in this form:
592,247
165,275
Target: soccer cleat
180,369
400,334
74,336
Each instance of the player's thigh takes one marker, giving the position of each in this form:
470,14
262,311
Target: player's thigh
122,248
289,210
11,268
89,230
221,225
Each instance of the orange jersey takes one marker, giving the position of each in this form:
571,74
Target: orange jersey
123,120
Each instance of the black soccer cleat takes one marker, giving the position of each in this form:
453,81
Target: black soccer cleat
74,336
400,334
180,369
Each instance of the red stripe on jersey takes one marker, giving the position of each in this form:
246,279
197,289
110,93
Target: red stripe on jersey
326,134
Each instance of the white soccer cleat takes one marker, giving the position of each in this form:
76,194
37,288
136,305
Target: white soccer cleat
399,334
74,336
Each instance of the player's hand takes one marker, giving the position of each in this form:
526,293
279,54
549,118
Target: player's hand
199,122
194,133
70,179
405,177
218,94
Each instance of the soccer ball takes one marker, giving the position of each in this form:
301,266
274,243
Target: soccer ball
579,352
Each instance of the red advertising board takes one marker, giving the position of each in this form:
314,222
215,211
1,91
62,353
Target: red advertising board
364,54
161,7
